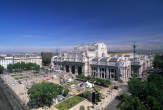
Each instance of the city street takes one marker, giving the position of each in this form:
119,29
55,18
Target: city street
4,103
115,102
8,99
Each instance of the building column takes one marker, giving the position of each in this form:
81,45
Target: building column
126,73
107,73
115,75
83,69
76,70
64,68
70,67
98,69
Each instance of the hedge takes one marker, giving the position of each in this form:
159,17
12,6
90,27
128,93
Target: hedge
97,81
69,103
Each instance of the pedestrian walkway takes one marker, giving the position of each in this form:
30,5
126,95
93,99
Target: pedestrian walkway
109,96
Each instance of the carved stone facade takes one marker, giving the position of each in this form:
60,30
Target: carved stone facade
93,59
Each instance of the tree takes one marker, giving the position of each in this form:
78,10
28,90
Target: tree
131,103
20,66
158,62
43,93
144,95
37,68
82,107
135,87
98,81
153,103
46,58
1,69
65,93
10,68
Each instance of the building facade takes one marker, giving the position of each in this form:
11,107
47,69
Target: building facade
94,60
5,60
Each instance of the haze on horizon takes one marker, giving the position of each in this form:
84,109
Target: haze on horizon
66,23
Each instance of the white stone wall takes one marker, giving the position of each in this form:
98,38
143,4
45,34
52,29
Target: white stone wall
11,60
101,50
5,61
88,57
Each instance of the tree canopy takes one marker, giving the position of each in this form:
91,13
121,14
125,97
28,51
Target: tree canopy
1,69
65,93
158,62
144,95
131,103
43,93
20,66
98,81
46,58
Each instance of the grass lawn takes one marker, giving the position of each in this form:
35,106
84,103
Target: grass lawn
97,89
69,103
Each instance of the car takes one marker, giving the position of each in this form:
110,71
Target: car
19,82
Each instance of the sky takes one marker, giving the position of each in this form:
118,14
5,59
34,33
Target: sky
65,23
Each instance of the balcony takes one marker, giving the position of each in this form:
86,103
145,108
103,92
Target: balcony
135,63
104,63
68,60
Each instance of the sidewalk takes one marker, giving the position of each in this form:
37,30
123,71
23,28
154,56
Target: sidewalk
84,103
109,97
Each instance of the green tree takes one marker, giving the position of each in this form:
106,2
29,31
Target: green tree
1,69
136,87
65,93
82,107
10,68
131,103
20,66
98,81
158,62
153,103
37,68
46,58
144,95
88,108
43,93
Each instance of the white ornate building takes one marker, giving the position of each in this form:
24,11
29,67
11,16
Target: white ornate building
94,60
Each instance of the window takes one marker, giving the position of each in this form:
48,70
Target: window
112,70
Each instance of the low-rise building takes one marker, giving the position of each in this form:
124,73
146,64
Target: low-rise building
12,59
4,61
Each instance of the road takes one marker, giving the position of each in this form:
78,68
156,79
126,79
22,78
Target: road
4,103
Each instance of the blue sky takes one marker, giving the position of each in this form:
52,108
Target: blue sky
62,23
